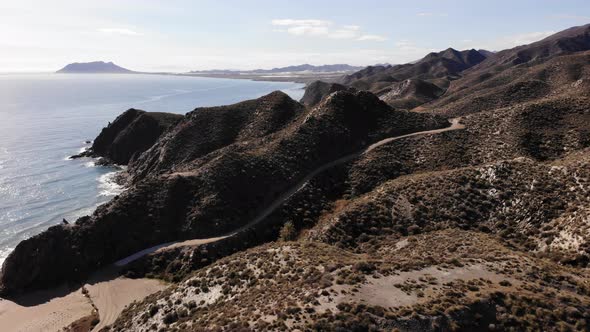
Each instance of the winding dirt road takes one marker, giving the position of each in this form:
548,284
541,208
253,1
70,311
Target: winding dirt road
110,294
455,125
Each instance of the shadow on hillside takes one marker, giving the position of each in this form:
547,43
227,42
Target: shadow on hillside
35,298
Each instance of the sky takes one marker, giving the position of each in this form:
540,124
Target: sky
179,35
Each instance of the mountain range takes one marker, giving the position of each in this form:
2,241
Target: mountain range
413,84
289,69
446,194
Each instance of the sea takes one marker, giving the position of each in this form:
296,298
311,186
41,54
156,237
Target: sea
45,118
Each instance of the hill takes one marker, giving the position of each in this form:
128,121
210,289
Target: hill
208,175
97,67
317,90
345,213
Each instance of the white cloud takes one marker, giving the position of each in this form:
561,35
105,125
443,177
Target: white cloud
323,28
345,32
120,31
430,14
291,22
302,30
372,38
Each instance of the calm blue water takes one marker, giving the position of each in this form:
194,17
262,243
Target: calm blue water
45,118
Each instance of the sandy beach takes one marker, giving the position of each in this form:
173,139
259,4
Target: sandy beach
53,310
37,312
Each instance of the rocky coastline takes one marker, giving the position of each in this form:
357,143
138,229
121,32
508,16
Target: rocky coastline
453,195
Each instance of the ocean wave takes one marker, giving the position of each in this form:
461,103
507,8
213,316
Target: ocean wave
108,185
80,151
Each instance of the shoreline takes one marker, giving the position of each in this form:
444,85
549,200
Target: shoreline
104,293
109,185
301,79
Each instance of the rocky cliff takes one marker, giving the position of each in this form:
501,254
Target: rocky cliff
208,175
130,134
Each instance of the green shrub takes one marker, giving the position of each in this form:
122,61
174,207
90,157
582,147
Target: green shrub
288,232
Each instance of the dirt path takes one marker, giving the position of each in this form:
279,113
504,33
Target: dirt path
455,125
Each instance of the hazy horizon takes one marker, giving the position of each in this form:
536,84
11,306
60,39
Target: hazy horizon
180,36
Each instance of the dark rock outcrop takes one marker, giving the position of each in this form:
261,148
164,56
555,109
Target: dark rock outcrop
316,91
410,93
209,129
129,135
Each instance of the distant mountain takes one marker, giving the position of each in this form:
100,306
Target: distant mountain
449,62
289,69
568,41
308,67
412,84
486,53
543,69
96,67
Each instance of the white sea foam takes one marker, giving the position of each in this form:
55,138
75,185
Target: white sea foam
81,150
108,186
4,252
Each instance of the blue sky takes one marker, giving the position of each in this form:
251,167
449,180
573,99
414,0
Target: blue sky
185,35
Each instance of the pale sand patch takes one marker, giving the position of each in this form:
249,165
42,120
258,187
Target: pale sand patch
53,310
111,297
38,311
384,292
